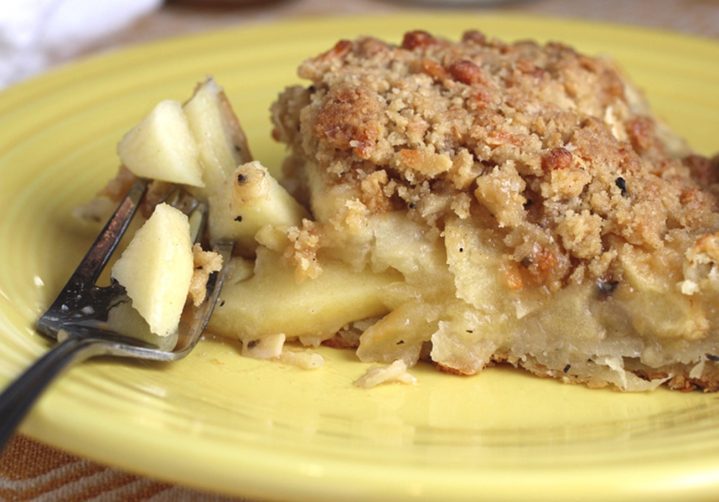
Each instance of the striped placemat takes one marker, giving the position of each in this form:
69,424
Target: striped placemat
32,471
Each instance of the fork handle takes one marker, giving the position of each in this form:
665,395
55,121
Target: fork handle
19,396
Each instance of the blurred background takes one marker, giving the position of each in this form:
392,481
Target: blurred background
36,35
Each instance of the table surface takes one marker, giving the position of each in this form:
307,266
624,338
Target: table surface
29,470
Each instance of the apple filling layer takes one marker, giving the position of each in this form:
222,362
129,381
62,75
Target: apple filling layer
396,289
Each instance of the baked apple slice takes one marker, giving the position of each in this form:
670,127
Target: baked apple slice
162,147
156,269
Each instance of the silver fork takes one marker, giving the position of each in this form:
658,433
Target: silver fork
78,318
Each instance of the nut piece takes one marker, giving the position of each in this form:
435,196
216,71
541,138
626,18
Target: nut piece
556,158
417,39
466,71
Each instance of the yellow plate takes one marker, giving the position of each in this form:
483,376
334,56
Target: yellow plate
220,422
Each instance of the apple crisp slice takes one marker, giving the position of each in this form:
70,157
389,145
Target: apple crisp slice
537,212
464,203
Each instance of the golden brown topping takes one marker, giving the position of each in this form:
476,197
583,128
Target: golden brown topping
527,67
349,120
641,133
466,72
417,39
500,191
551,148
426,163
205,263
702,169
474,36
612,84
432,68
581,234
372,194
557,158
304,242
341,48
371,46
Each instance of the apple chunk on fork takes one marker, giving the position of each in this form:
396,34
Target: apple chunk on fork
156,269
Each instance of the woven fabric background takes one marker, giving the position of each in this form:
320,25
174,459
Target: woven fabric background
32,471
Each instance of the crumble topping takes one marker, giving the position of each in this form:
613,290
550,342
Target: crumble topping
301,252
205,263
556,148
701,270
